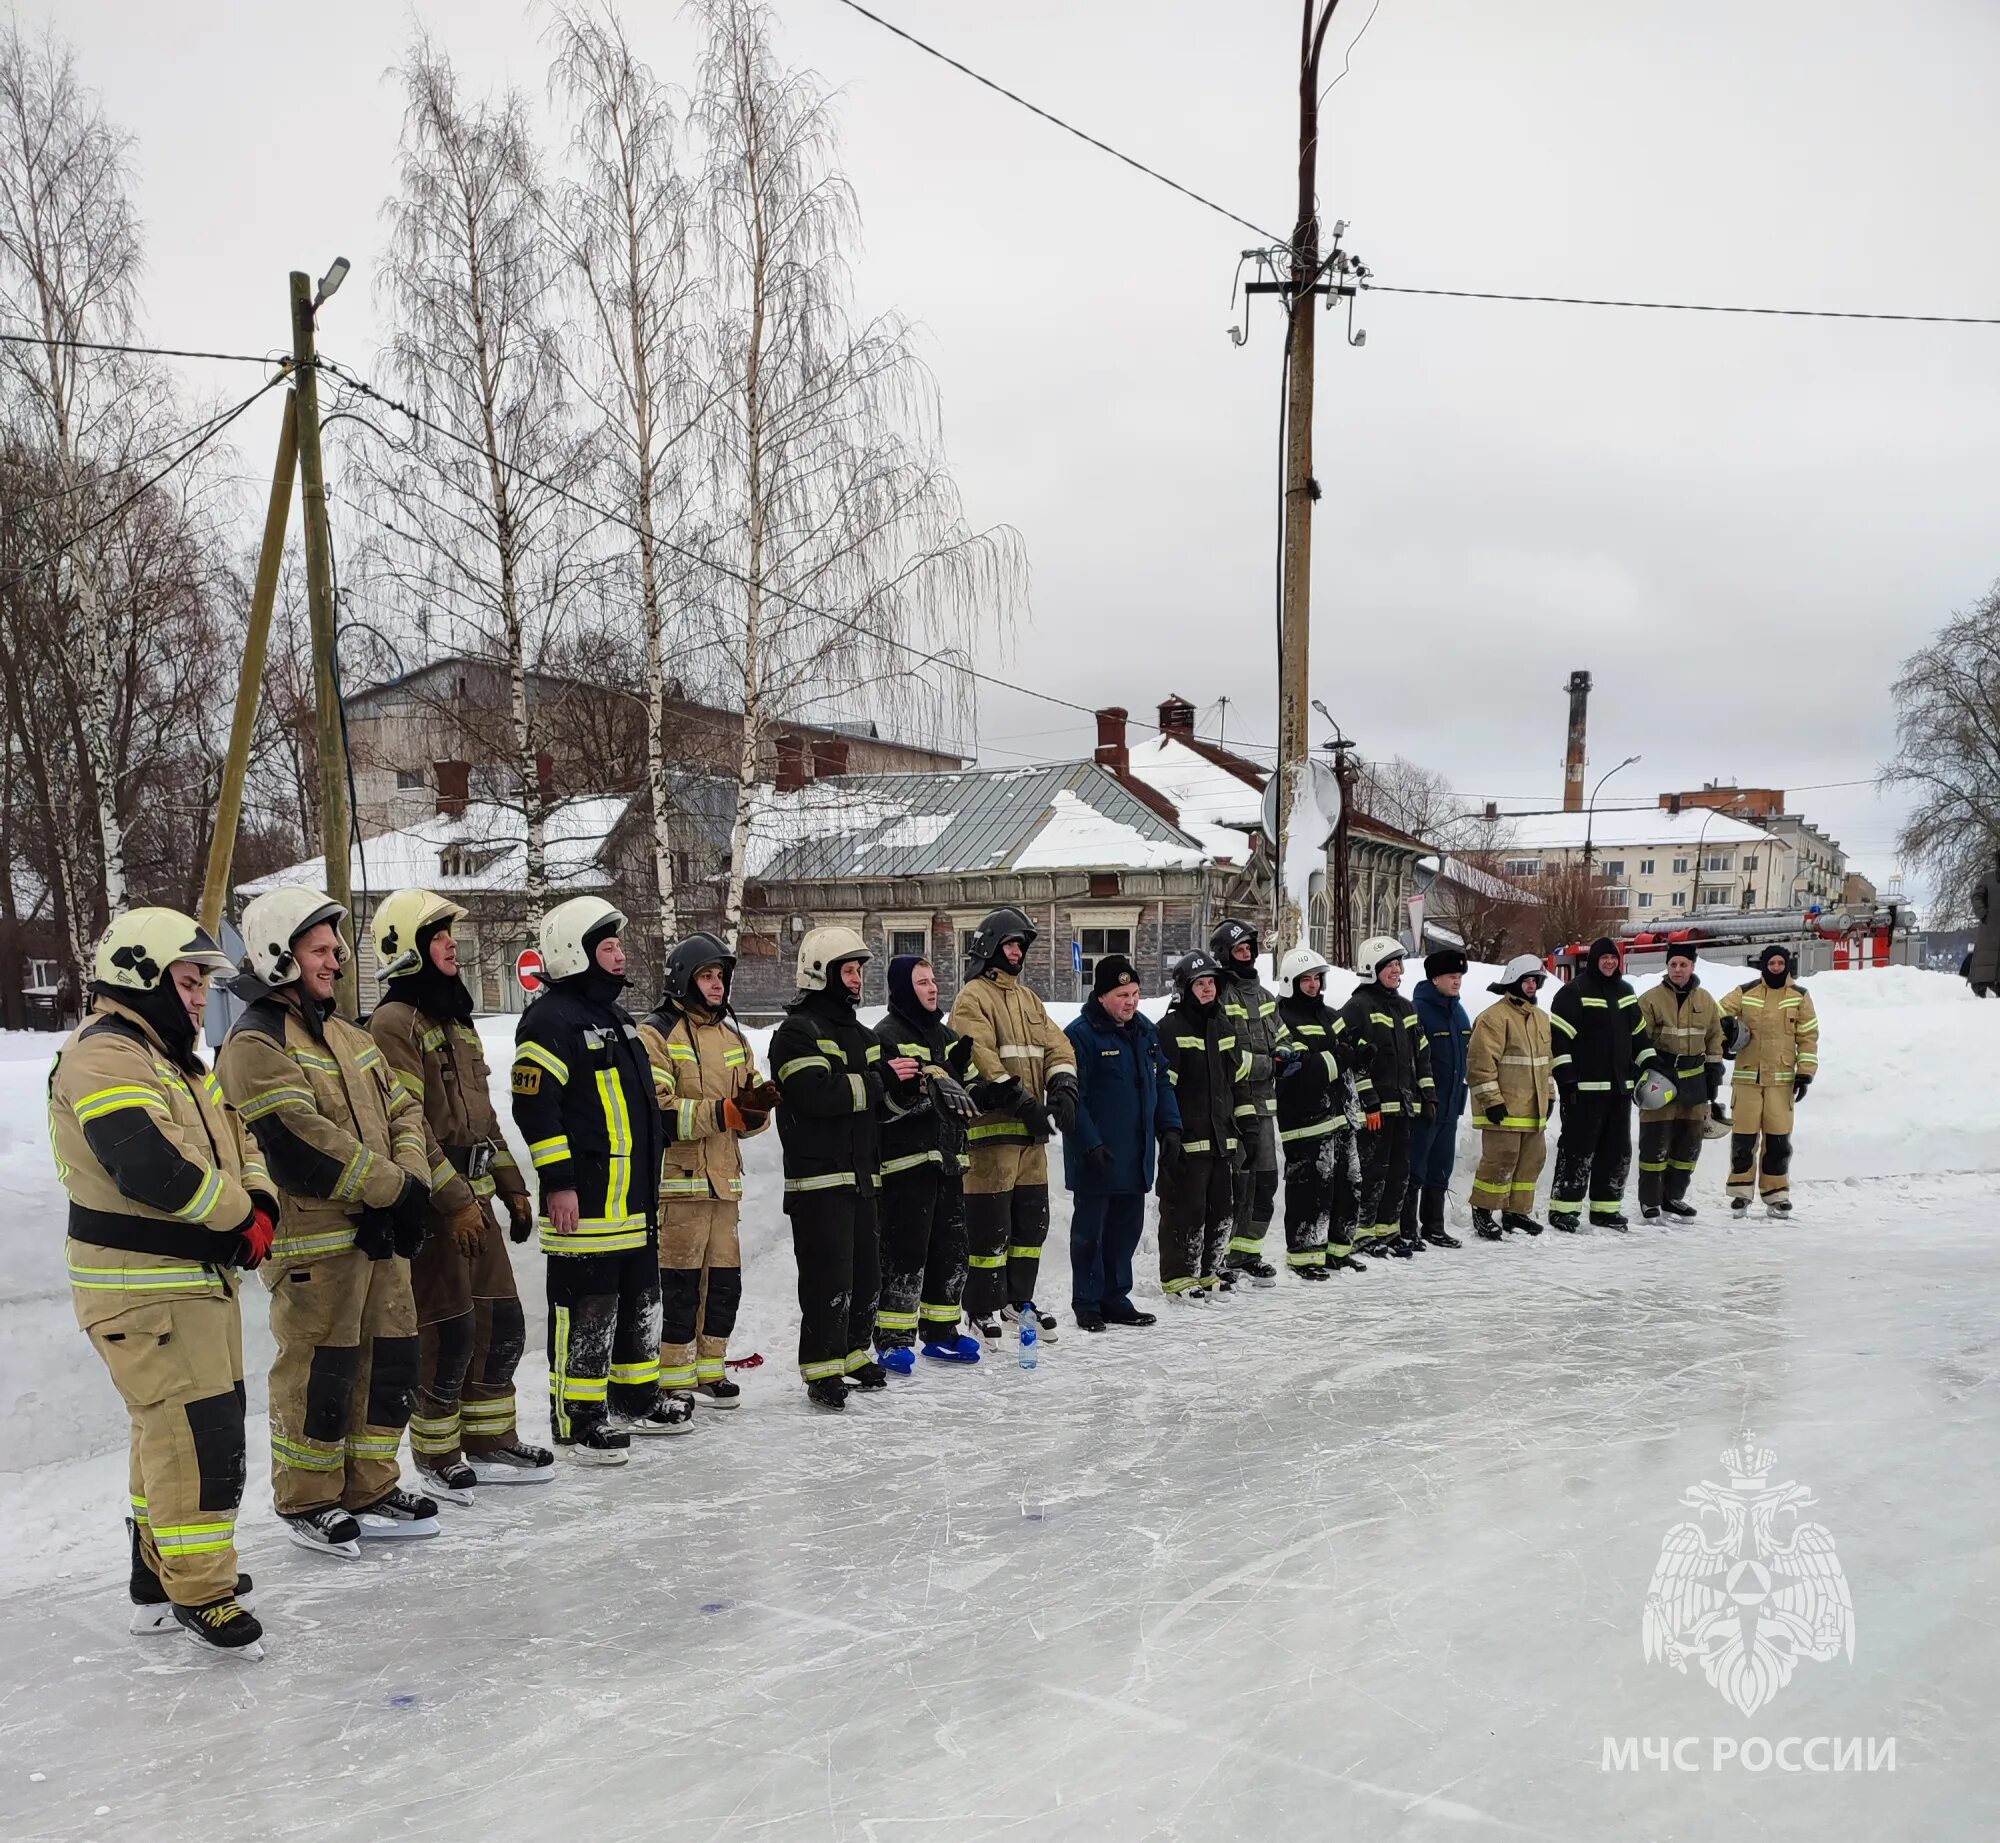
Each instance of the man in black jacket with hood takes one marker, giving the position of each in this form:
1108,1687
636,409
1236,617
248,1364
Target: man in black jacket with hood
1601,1050
584,1101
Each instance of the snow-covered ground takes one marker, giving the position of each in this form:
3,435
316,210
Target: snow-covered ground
1362,1560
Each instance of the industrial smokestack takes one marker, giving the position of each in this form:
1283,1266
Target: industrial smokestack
1579,717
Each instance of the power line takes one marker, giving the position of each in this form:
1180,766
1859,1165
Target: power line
1687,307
94,345
1057,121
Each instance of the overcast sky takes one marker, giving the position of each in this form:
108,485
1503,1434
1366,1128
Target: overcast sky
1740,526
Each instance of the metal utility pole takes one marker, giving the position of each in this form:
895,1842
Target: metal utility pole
333,814
250,678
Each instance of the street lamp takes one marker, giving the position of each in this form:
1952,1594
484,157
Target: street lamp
1590,813
1694,891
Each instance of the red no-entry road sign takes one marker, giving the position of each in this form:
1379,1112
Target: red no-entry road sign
528,970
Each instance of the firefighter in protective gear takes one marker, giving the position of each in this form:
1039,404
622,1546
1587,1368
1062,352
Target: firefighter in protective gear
711,1097
828,1070
584,1101
1392,1090
470,1327
1509,1071
357,1169
929,1094
1601,1050
1685,1026
1211,1077
1014,1040
1315,1123
168,1199
1253,1015
1771,1032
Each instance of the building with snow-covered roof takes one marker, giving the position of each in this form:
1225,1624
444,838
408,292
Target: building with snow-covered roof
1657,863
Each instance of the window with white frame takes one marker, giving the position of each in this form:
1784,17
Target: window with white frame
1680,867
1716,860
1614,870
1645,899
1680,899
1645,867
1522,867
1713,898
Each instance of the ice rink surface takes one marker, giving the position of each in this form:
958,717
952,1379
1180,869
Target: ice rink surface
1367,1560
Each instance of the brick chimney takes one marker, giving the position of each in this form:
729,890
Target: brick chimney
829,756
1492,812
793,772
1111,750
1177,716
454,787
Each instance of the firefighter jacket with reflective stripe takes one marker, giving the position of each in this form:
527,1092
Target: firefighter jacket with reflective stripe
583,1099
1783,1030
699,1062
441,1065
1313,1096
337,1134
913,1131
1211,1076
1600,1036
1685,1026
1397,1078
1510,1060
1012,1034
828,1066
160,1172
1253,1015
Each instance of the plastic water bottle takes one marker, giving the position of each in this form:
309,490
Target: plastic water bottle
1031,1338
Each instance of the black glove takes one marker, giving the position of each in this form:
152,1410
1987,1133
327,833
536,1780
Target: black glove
1428,1108
1100,1159
1062,1100
948,1098
1800,1083
1496,1113
1244,1156
375,1233
1716,1081
997,1096
1566,1095
1172,1150
1732,1032
1716,1112
410,1211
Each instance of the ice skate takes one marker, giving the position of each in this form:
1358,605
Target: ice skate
598,1443
1375,1249
1258,1272
515,1464
1777,1206
453,1482
326,1532
1649,1212
899,1360
1395,1247
1739,1206
672,1413
1220,1283
1486,1225
1442,1238
1317,1271
1011,1315
398,1514
1514,1219
1616,1220
985,1325
828,1392
1686,1212
224,1627
1345,1263
721,1393
152,1611
959,1349
870,1376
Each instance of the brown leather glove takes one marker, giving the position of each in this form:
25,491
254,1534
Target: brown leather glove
468,1227
740,1116
762,1098
520,1216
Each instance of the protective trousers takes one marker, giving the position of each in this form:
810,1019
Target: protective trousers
1385,1175
1254,1192
470,1336
1755,1112
1510,1162
178,1364
923,1257
1433,1156
1669,1145
701,1287
342,1383
1196,1199
837,1243
1006,1224
604,1336
1322,1191
1104,1231
1593,1154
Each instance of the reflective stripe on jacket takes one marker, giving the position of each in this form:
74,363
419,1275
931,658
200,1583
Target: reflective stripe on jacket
1398,1073
1784,1033
1600,1036
699,1062
1253,1015
1313,1098
1012,1035
1210,1075
827,1065
1508,1060
442,1065
1685,1025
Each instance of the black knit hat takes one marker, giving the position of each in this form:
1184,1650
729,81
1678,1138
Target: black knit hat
1113,971
1446,960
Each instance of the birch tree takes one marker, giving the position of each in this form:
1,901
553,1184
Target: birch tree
621,220
69,265
490,555
842,576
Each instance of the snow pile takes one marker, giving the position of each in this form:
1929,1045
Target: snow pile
818,810
1077,834
1214,805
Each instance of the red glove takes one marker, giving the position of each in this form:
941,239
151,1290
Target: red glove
258,1234
739,1116
1374,1122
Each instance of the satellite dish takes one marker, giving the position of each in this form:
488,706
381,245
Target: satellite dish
1325,790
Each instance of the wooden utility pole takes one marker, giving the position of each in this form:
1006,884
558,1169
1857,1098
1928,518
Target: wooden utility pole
250,678
1303,290
333,816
